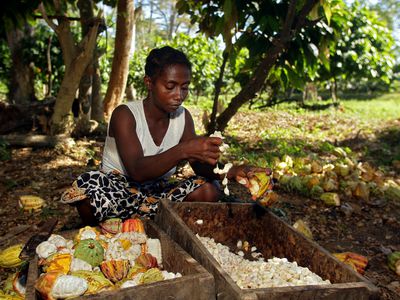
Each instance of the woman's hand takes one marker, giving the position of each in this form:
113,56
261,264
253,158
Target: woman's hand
243,173
257,180
203,149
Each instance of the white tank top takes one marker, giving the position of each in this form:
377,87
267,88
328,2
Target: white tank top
111,159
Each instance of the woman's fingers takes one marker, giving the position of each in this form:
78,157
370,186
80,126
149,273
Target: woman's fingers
215,140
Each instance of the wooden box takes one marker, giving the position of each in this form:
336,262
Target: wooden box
175,259
229,222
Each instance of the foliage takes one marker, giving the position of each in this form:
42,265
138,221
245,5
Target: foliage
5,63
204,55
5,151
34,53
16,13
363,54
266,29
353,47
350,44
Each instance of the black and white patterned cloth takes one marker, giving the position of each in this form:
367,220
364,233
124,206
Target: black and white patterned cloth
113,194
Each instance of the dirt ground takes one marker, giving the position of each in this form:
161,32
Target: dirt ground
370,229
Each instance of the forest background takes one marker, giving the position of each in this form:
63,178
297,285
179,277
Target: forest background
309,88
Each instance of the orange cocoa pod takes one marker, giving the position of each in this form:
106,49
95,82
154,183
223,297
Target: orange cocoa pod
355,260
359,261
115,270
135,225
147,260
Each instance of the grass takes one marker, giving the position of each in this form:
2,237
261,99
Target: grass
385,107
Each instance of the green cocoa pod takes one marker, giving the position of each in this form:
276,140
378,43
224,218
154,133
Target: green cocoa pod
90,251
394,262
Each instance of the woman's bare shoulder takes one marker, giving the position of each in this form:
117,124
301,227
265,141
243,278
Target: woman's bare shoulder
121,118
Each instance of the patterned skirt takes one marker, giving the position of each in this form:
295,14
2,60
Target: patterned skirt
115,195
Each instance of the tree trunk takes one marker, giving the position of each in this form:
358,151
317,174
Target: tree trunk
120,64
212,123
334,91
130,91
76,59
171,25
250,90
279,45
21,87
97,98
62,118
49,73
85,86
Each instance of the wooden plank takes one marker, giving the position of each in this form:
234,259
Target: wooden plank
14,236
229,222
175,259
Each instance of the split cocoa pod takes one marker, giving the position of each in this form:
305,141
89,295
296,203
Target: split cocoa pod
356,261
260,186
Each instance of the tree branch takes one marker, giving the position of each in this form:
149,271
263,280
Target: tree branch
279,45
57,17
46,18
91,35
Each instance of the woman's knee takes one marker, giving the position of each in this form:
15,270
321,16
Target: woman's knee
86,212
208,192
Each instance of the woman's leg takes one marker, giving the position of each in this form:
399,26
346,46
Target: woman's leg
85,212
208,192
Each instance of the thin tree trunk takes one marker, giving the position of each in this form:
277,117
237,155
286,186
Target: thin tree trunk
130,91
120,64
85,85
334,91
21,87
151,16
171,24
49,69
97,98
212,124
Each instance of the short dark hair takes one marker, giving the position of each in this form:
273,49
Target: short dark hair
160,58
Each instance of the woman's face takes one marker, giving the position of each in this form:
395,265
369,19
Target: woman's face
171,87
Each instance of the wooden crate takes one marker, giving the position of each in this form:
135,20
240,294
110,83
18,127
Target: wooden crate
175,259
229,222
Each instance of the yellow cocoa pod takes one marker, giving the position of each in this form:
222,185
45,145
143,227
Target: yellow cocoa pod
30,202
9,257
303,228
330,199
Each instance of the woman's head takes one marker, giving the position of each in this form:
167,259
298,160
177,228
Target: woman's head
161,58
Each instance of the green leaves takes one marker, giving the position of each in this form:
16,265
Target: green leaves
204,54
326,5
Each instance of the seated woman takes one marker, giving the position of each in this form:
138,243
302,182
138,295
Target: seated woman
146,140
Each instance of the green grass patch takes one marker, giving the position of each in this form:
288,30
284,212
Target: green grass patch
385,107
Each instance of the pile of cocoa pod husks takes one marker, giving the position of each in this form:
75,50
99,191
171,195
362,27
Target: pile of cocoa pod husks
334,178
117,254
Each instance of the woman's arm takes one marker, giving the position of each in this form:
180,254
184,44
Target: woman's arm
142,168
206,169
199,166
